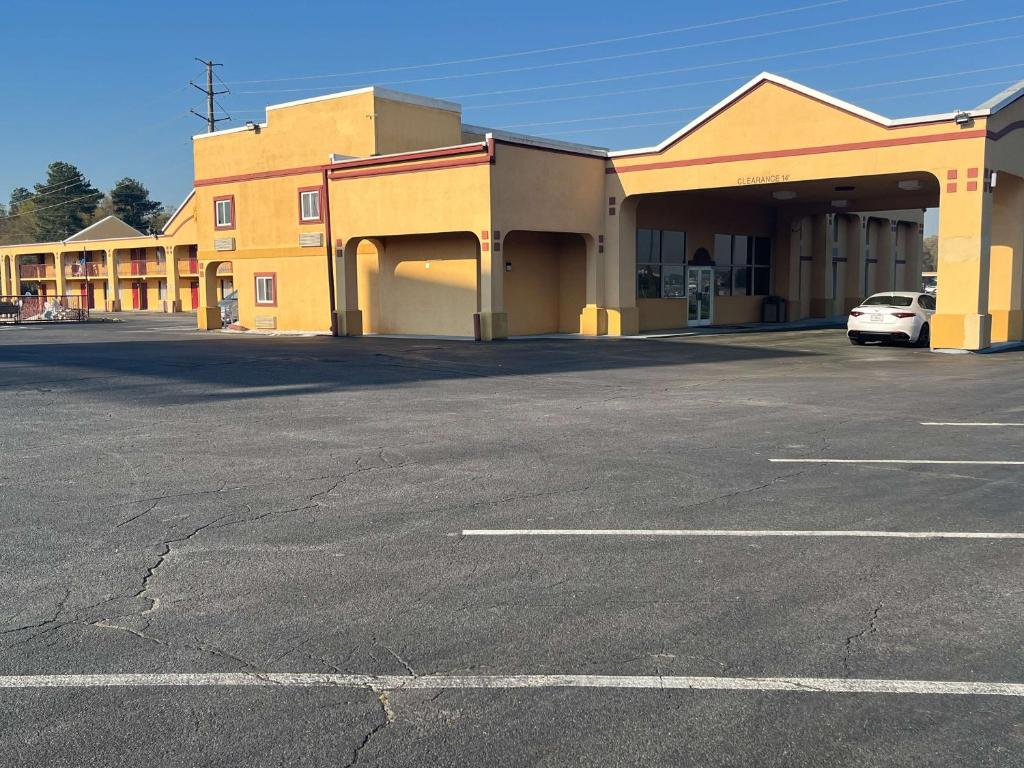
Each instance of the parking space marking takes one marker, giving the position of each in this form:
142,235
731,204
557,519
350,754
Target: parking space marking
711,532
897,461
436,682
972,423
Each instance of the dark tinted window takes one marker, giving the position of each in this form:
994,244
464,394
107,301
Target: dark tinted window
886,300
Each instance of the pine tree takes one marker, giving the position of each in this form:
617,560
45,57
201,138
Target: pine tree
64,202
132,204
18,225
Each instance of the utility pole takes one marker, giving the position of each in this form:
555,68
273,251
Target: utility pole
211,116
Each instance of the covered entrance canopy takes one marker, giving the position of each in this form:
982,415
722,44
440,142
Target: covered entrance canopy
778,157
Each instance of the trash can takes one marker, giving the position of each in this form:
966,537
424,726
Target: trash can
773,310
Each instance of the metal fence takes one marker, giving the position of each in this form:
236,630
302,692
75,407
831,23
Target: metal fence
43,309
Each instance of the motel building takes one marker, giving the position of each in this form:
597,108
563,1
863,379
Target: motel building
111,266
372,211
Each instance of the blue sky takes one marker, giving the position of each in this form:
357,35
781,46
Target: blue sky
105,85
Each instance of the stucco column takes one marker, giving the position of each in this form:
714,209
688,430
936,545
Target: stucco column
15,276
173,303
821,266
58,272
965,221
883,249
113,295
856,247
1006,276
5,276
348,319
620,272
594,318
208,313
492,320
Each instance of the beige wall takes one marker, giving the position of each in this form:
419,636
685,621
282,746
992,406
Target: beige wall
425,284
545,291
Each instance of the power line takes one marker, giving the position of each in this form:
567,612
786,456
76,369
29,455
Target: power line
634,54
756,59
902,54
537,51
48,207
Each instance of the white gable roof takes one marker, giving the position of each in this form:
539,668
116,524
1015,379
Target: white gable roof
768,77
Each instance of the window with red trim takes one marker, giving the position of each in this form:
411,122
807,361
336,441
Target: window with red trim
266,289
224,212
310,211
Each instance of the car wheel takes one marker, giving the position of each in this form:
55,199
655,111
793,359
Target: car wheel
924,337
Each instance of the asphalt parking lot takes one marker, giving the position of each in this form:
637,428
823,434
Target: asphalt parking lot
305,532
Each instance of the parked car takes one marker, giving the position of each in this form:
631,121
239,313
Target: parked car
229,309
894,316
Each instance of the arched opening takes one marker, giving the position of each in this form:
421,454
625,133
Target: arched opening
212,310
424,285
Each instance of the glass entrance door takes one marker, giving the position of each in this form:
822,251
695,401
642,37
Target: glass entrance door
699,292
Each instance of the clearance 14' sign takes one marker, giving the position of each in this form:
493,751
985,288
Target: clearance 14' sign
768,178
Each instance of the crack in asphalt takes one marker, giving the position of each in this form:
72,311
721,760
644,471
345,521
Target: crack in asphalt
389,718
848,644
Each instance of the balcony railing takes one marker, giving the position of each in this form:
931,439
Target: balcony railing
36,271
141,268
90,269
188,266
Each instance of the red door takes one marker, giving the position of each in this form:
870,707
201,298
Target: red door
89,295
195,294
42,289
135,295
140,300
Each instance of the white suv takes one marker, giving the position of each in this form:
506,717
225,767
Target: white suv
893,316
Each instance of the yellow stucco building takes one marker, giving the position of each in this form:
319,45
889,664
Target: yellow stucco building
373,211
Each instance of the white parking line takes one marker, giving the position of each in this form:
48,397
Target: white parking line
436,682
896,461
711,532
972,423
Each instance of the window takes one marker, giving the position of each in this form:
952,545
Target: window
266,290
660,264
926,302
742,265
224,212
309,205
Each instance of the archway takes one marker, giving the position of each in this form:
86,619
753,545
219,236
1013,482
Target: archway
545,281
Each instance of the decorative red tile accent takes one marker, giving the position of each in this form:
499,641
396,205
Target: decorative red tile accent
611,211
972,173
600,249
600,238
485,234
497,246
951,187
611,201
950,175
972,186
485,246
497,234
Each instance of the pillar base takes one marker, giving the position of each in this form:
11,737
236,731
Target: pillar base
208,318
114,305
972,332
820,307
490,326
347,322
593,320
172,306
1007,325
623,321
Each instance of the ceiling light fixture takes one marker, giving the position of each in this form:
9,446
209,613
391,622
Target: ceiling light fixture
909,185
784,194
840,203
